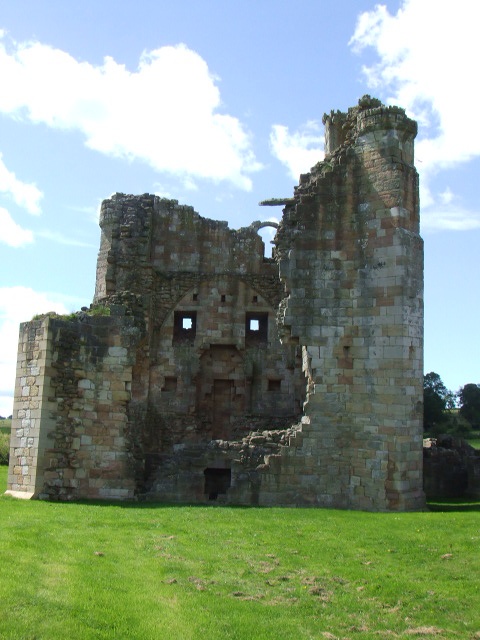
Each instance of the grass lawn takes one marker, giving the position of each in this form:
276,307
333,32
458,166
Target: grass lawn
81,571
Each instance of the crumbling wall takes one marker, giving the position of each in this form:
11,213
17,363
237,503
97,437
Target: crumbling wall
221,374
189,355
352,261
451,468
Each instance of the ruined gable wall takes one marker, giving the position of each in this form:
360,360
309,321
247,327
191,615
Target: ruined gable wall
147,236
217,380
352,261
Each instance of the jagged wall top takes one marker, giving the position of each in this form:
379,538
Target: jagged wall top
343,129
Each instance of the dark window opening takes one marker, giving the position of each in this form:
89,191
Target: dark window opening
274,385
256,328
170,384
184,327
217,481
255,299
195,297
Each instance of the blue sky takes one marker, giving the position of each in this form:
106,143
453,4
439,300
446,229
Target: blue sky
219,105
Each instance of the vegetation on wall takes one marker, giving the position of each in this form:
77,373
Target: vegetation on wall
93,310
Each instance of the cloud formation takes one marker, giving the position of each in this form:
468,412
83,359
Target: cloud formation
298,150
12,234
428,56
166,113
24,194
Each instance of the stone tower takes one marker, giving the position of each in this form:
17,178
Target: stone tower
351,258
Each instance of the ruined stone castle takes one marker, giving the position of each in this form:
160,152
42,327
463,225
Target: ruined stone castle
206,372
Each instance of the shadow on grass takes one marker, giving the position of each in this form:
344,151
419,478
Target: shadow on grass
152,504
453,504
438,504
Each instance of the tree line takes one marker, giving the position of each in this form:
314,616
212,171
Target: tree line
446,411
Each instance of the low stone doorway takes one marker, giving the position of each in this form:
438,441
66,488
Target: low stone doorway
217,481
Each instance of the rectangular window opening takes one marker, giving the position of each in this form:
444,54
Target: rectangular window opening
256,327
170,384
274,385
184,327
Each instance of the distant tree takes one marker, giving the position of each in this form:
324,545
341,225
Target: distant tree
436,399
469,399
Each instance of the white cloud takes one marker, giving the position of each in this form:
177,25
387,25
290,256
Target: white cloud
60,238
299,150
18,304
428,57
447,196
91,212
162,191
449,218
165,113
12,234
24,194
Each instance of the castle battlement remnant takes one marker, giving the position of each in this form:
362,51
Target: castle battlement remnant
204,371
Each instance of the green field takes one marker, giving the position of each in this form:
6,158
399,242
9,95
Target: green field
149,571
4,441
5,424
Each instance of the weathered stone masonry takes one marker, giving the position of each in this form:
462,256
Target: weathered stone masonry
215,379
